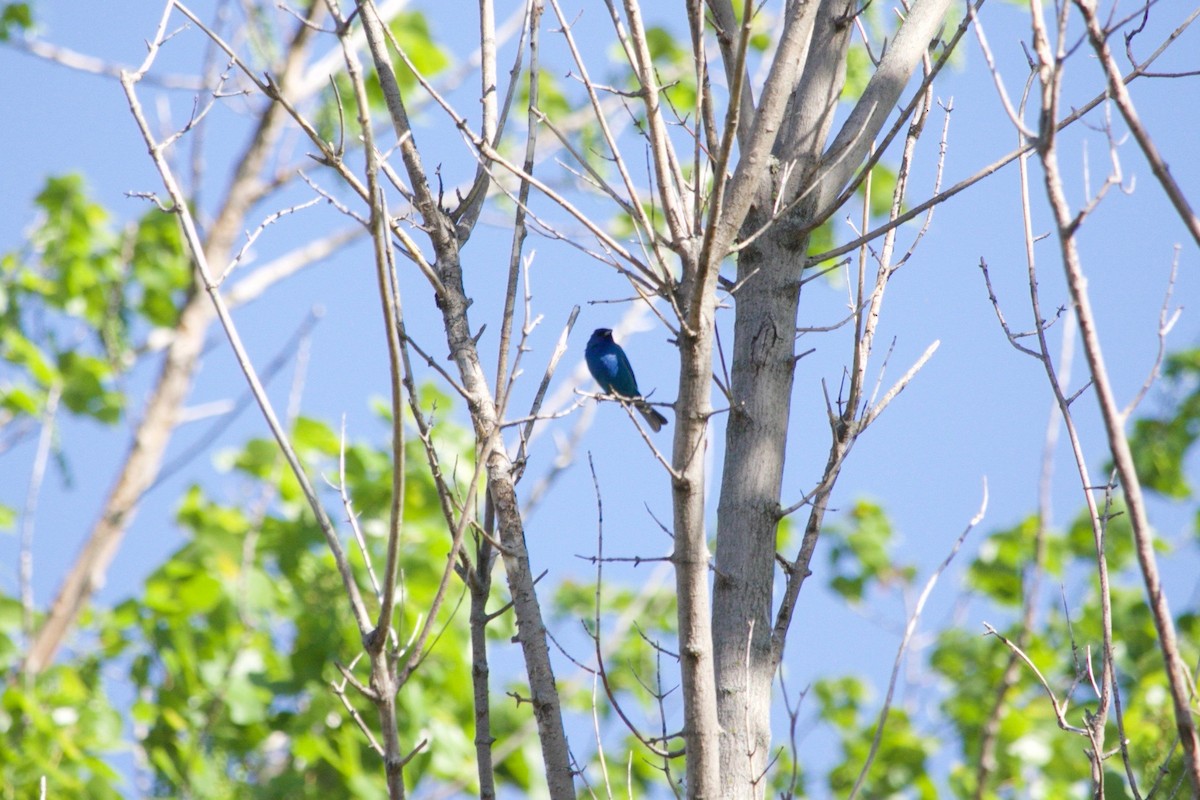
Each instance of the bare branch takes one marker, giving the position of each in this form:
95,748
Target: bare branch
160,415
853,141
786,68
1120,96
73,59
1060,709
29,512
634,200
1166,322
991,168
1178,677
877,408
519,230
128,83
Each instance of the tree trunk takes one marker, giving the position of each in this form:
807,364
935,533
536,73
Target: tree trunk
748,514
691,560
764,334
766,304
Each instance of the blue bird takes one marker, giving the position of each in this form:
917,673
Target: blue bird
610,367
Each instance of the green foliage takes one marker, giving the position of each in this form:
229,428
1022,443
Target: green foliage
763,26
1026,731
161,269
638,628
993,696
997,696
1118,537
899,765
624,226
999,569
1031,754
632,661
15,17
84,380
786,535
883,186
675,70
1161,443
415,38
77,245
860,554
551,98
57,727
73,300
337,111
231,645
821,240
281,618
858,73
787,777
416,41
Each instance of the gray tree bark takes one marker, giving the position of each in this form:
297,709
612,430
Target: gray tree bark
763,370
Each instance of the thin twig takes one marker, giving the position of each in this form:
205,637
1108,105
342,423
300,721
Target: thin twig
1120,96
37,474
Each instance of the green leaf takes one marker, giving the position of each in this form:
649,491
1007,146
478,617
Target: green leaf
161,267
77,279
674,69
413,35
20,351
20,400
858,73
999,568
199,594
821,241
1159,448
861,554
551,99
247,702
1118,537
258,458
79,249
1161,444
15,17
839,700
883,186
315,437
85,391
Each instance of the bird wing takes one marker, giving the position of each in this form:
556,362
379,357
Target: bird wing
625,383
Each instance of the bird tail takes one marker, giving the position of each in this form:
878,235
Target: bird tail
654,419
